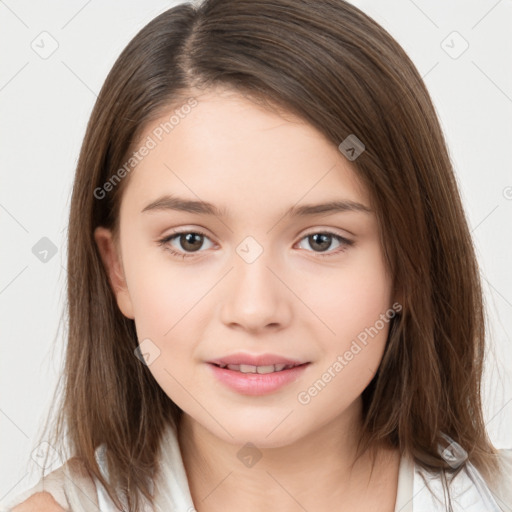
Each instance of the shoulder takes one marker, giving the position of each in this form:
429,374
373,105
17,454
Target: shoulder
40,502
469,490
501,487
62,489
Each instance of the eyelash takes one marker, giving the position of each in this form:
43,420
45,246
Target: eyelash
164,241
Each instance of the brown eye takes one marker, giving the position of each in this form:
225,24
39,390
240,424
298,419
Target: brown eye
320,242
190,241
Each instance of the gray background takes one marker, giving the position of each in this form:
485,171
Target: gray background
45,103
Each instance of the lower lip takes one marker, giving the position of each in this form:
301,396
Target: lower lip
257,383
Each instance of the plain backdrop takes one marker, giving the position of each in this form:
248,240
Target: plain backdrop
55,57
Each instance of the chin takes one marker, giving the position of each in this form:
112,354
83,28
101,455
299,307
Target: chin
263,433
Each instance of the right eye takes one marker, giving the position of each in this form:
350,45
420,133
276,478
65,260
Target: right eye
188,241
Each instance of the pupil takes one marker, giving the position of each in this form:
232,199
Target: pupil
320,239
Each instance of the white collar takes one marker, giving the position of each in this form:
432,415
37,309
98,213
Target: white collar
421,491
468,490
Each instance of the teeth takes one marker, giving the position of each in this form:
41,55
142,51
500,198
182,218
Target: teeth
249,368
267,369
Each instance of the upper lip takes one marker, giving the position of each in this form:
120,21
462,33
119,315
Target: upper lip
256,360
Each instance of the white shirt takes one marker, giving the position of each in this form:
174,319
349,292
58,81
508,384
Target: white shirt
468,490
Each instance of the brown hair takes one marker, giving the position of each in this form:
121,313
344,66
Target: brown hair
332,65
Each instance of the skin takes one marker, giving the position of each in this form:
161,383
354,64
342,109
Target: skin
39,502
290,301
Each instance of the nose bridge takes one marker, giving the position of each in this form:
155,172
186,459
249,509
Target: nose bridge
255,297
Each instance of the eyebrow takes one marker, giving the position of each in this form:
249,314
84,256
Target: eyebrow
170,202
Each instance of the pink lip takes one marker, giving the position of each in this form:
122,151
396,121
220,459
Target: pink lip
256,383
257,360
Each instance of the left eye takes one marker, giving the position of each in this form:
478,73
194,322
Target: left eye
323,240
191,241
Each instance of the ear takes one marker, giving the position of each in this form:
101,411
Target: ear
111,257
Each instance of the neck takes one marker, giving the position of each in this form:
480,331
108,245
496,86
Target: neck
312,473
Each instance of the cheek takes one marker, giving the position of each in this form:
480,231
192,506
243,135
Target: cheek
166,312
352,297
351,302
163,293
169,302
352,354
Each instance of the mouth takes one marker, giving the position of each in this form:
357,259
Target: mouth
248,368
248,379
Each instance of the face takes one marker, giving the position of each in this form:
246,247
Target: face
245,277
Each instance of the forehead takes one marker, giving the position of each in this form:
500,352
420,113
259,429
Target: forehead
234,153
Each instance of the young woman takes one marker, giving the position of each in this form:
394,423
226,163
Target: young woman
274,303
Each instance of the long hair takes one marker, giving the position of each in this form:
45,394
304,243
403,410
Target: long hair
336,68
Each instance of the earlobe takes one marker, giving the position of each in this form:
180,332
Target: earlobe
111,258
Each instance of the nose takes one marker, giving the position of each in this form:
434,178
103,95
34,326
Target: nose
255,298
